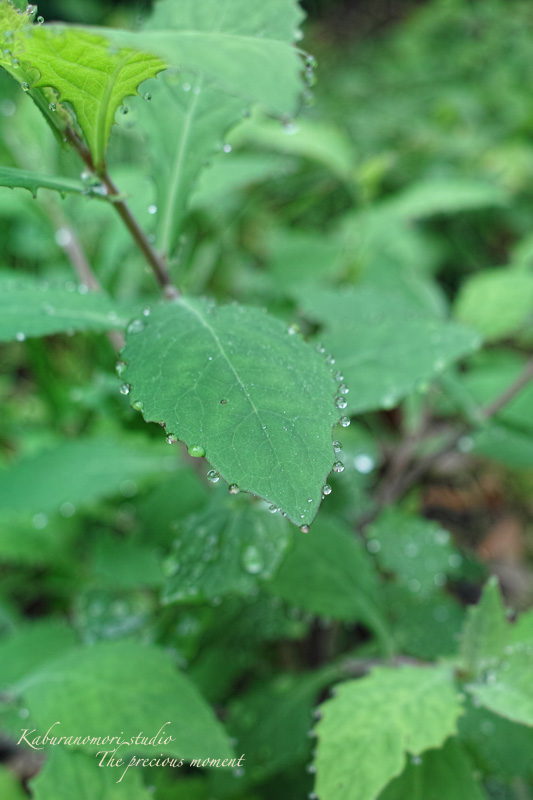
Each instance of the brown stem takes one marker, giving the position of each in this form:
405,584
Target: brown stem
389,493
153,258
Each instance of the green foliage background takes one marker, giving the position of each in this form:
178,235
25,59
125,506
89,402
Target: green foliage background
368,241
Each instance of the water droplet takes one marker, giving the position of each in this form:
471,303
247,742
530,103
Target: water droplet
416,760
338,466
136,326
146,311
186,87
15,63
196,450
123,109
343,389
363,463
40,521
171,439
344,422
311,769
67,510
341,402
339,377
292,329
20,337
83,288
233,488
52,106
326,489
25,87
373,546
252,560
213,476
330,360
120,367
337,447
125,388
40,20
152,208
304,528
137,405
147,96
273,509
227,148
320,349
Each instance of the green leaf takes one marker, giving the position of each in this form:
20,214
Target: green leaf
521,632
486,631
385,346
403,542
226,549
508,689
428,198
272,721
505,444
122,686
444,774
30,646
77,473
83,72
498,303
372,724
68,774
13,178
232,383
328,572
31,308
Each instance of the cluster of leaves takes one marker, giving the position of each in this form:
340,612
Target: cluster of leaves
135,584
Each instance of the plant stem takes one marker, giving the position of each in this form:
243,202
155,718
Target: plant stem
156,262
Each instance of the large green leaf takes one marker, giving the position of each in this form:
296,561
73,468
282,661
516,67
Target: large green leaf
187,120
13,178
402,542
508,689
78,472
81,69
497,746
384,346
226,549
68,774
329,573
237,387
486,631
372,724
444,774
102,690
29,307
10,786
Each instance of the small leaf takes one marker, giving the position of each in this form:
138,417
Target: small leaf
68,774
31,308
486,631
125,687
30,646
372,724
385,346
233,381
224,550
13,178
498,303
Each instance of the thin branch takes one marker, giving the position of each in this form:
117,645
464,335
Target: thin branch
156,262
390,492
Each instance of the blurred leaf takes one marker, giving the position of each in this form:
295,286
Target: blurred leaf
375,722
503,443
126,563
111,688
31,308
78,472
486,631
427,198
385,347
68,774
507,689
266,397
329,573
521,633
10,786
226,549
28,647
497,303
419,552
444,774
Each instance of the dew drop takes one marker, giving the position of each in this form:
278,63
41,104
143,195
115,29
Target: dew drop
152,208
146,311
196,450
292,329
320,349
304,528
171,439
125,388
338,466
40,20
252,560
363,463
52,106
273,509
337,447
227,148
339,377
147,96
330,360
341,402
20,337
344,422
124,109
343,389
213,476
326,489
120,367
137,405
373,546
136,326
25,87
233,488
